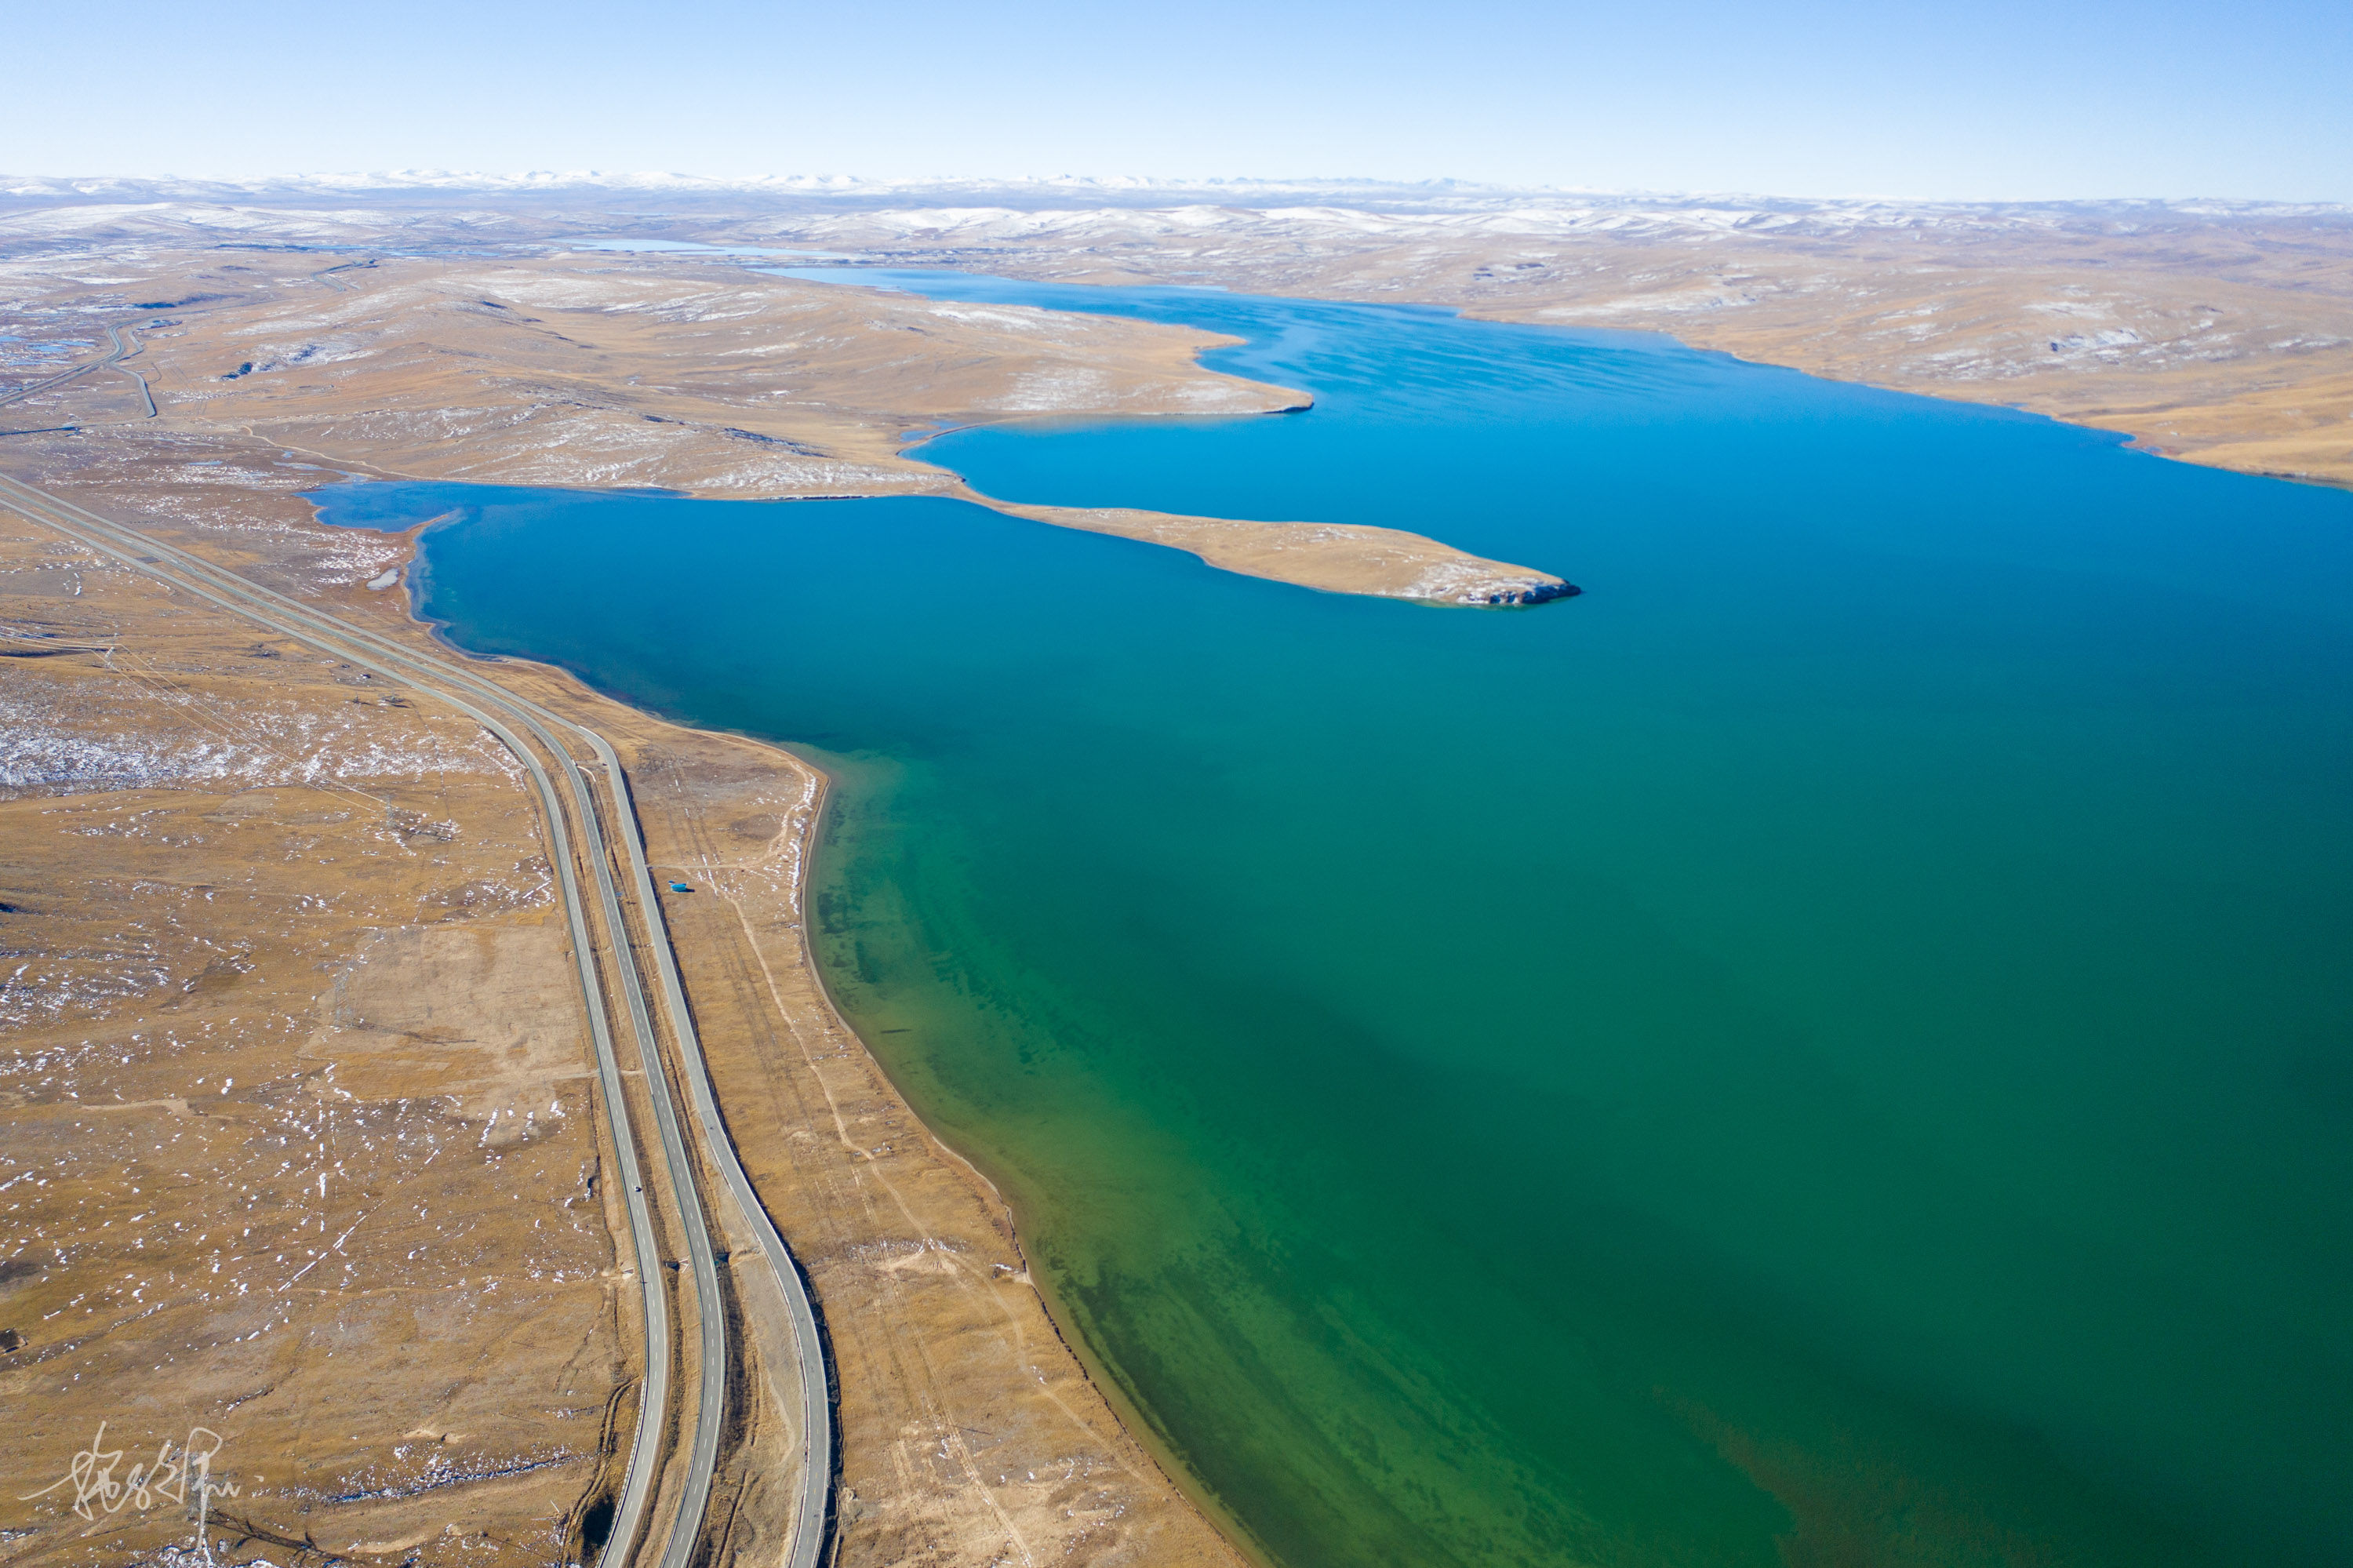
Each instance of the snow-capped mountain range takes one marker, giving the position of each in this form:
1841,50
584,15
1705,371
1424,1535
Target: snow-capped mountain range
1564,208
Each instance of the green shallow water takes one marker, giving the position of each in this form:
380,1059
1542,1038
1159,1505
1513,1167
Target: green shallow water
1832,1047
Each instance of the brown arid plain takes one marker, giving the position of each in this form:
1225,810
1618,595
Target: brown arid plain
304,1147
303,1141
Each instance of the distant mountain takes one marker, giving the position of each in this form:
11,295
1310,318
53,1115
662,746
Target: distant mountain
1545,210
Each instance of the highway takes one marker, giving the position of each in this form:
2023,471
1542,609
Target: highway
504,715
123,349
817,1412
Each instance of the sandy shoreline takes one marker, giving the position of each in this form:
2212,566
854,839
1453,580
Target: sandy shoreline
1237,1537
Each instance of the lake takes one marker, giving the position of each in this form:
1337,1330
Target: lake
1834,1047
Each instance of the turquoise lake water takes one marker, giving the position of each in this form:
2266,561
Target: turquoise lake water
1834,1047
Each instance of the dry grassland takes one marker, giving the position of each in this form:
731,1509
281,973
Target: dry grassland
303,1146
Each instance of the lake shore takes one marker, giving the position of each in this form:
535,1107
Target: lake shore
600,372
2214,337
968,1429
968,1426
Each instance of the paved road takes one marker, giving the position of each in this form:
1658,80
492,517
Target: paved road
123,349
444,680
810,1515
817,1412
127,347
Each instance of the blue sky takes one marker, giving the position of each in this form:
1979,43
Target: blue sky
1984,101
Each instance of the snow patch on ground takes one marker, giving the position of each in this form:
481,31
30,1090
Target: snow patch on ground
54,748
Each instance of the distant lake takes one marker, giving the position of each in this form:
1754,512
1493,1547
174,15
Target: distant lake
1835,1047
